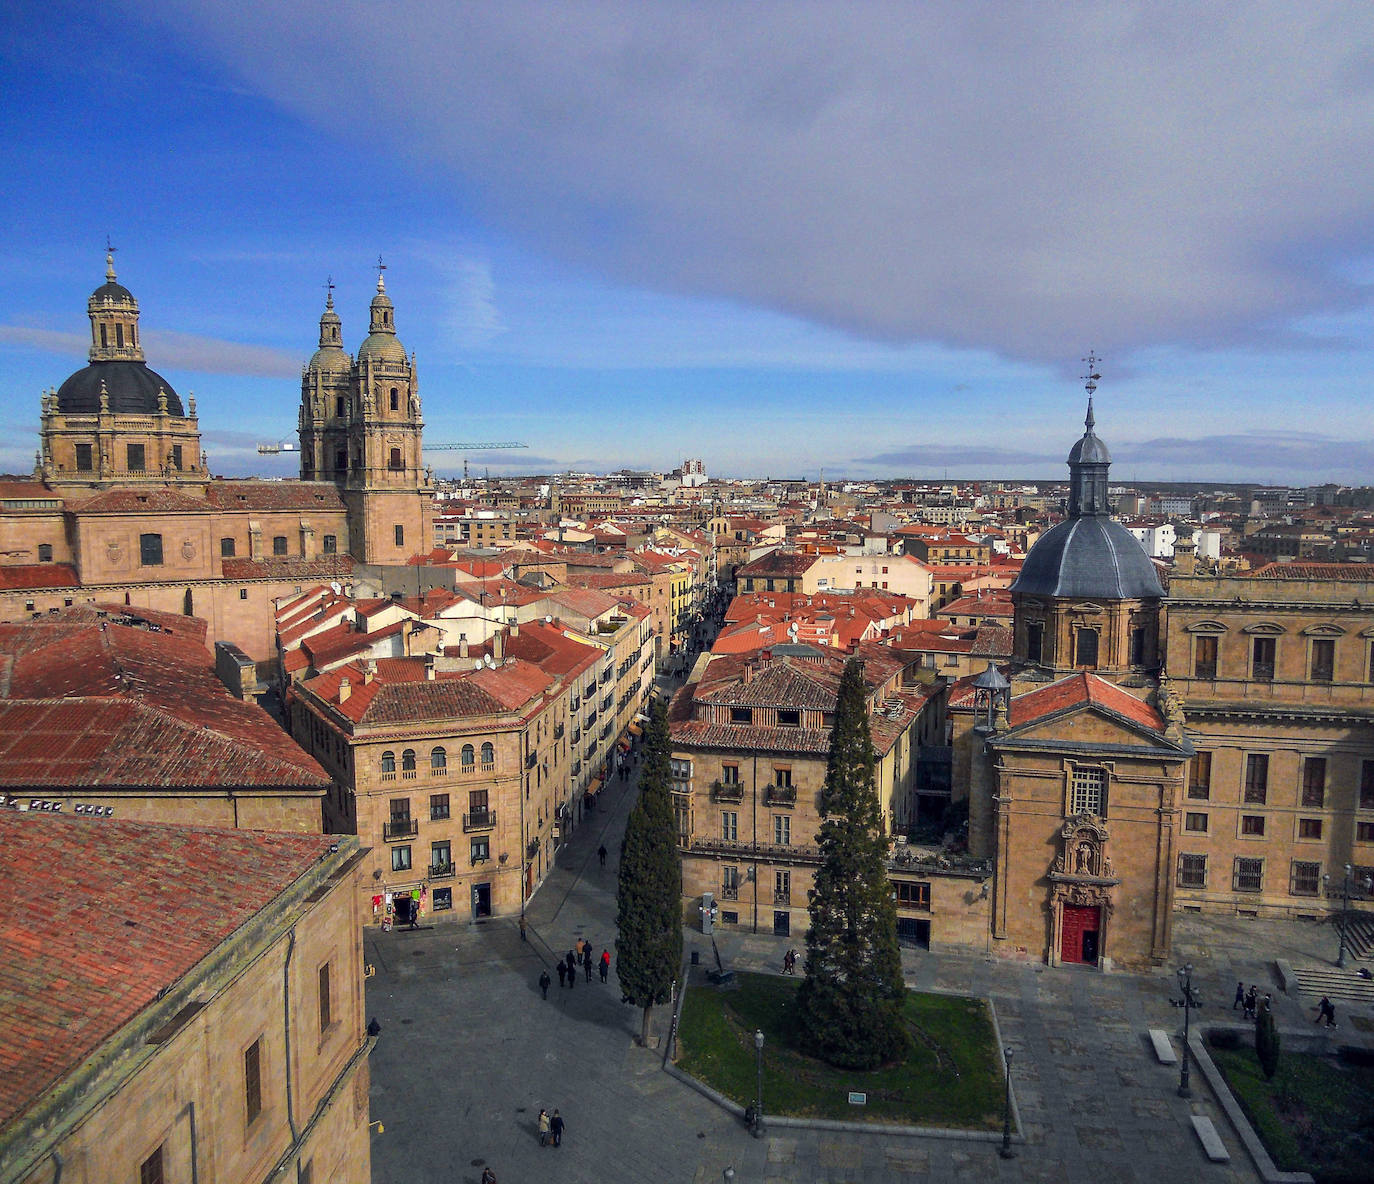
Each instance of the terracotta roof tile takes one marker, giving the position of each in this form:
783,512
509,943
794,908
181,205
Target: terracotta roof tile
1080,690
275,495
287,569
127,908
35,576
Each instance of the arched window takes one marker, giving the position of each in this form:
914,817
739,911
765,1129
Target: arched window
408,760
488,753
438,760
395,399
338,406
469,756
396,459
188,604
388,764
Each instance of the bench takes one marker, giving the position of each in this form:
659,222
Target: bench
1164,1050
1211,1141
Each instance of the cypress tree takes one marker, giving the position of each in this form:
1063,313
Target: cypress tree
1267,1042
850,1003
649,916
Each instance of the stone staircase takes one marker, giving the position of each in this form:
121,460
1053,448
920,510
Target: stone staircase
1340,986
1359,935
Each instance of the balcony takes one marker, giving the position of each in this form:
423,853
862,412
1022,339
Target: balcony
479,820
782,896
531,759
780,795
558,730
441,871
729,892
400,828
727,791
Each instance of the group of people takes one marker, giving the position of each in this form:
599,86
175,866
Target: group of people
550,1128
1326,1010
1249,1001
581,955
789,962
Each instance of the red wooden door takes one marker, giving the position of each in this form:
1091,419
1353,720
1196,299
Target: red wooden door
1079,922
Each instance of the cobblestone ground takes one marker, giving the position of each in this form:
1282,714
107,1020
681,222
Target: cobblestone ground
469,1052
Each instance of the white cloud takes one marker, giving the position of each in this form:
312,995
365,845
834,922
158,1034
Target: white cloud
171,351
1025,179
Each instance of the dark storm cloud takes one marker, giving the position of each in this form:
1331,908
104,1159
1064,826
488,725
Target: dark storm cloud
1017,178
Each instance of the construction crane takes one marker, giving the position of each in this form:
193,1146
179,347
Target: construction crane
482,446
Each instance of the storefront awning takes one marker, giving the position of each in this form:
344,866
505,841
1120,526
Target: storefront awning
635,730
593,787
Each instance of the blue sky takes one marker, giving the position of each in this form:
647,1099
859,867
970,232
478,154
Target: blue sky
874,238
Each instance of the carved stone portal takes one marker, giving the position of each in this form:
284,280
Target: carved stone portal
1083,841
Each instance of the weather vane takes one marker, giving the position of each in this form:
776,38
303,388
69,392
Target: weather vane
329,286
109,248
381,267
1091,377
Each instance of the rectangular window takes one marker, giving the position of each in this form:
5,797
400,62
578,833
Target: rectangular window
1307,878
176,457
400,810
477,801
1262,659
326,1004
1085,796
1200,776
729,882
226,548
1314,782
1204,657
1192,871
1257,778
1249,875
682,815
331,544
44,552
1197,823
1035,641
480,850
1309,828
279,545
443,899
782,829
252,1080
729,774
1085,642
782,887
150,1170
400,858
1364,832
243,593
913,896
741,715
150,550
1323,660
789,719
441,856
1252,824
85,462
782,778
438,807
729,826
134,456
1367,785
400,535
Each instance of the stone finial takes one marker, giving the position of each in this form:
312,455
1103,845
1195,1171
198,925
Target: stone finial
1001,714
161,401
191,404
104,398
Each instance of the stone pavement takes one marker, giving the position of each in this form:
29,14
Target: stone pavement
469,1052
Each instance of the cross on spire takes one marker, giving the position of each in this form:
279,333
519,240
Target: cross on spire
329,291
110,250
381,279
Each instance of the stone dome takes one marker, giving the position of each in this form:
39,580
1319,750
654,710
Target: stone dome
1089,451
331,359
112,293
131,386
382,347
1092,558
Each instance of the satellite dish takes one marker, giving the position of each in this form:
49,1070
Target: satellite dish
478,664
335,587
548,620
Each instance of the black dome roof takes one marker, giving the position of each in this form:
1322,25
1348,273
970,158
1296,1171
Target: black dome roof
132,388
1093,557
112,291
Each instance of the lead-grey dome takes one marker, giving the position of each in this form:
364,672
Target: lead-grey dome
1092,557
132,388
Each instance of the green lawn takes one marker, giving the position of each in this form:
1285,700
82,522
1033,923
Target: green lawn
1317,1115
952,1079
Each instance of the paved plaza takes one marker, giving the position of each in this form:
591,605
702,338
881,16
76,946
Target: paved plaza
469,1052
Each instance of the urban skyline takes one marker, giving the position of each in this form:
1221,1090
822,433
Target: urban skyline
630,234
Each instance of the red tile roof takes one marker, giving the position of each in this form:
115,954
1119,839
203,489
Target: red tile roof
276,495
149,501
31,577
1079,690
288,569
124,909
1314,571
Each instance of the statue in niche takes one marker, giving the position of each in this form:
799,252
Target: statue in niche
1083,861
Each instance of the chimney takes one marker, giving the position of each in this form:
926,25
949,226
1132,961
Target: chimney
515,626
462,645
1185,551
498,648
429,667
369,672
345,689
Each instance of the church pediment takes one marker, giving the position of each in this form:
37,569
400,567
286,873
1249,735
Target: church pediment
1212,627
1264,629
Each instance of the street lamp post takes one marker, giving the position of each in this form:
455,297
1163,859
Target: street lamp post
758,1103
1006,1151
1345,910
1185,980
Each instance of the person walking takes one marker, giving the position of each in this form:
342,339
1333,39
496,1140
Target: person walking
601,854
556,1128
572,969
1251,1000
562,976
587,961
522,928
544,981
1240,996
605,964
488,1176
544,1127
1326,1010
